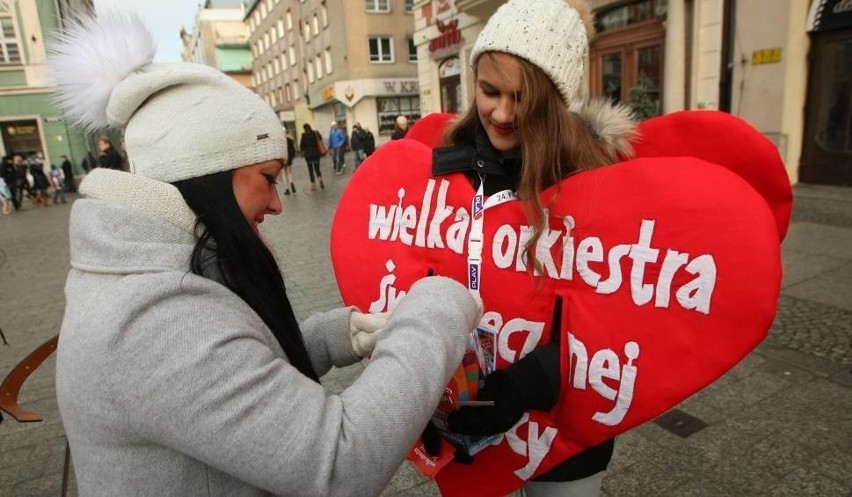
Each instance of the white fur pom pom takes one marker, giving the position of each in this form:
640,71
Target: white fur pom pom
91,57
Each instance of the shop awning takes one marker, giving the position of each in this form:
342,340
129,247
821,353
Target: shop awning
827,15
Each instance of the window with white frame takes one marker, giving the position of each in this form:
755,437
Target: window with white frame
328,66
280,25
10,52
292,53
289,92
381,49
324,15
378,5
295,87
318,62
289,20
310,72
315,25
409,6
307,28
412,50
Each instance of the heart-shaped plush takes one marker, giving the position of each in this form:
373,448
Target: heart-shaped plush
667,269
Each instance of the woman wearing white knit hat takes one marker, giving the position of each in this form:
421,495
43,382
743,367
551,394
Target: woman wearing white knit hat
527,130
181,369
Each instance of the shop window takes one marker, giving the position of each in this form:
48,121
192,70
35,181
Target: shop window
391,107
378,5
381,49
827,151
626,65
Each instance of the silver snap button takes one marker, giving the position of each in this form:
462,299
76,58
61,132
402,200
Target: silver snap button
480,164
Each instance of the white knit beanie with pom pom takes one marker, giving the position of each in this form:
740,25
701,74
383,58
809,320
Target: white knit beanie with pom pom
180,120
550,34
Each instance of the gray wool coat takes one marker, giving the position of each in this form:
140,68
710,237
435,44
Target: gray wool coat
169,384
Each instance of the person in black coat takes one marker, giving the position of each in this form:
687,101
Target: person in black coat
68,172
109,157
309,144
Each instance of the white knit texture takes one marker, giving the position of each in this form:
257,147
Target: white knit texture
547,33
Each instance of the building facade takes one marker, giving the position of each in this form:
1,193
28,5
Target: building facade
220,39
30,123
758,59
318,61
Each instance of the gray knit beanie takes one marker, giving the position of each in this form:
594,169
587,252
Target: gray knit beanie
549,34
180,120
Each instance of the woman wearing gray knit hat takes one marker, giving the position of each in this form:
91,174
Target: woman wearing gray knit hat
181,368
527,130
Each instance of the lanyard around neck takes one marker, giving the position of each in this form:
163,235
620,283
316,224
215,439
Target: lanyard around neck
475,240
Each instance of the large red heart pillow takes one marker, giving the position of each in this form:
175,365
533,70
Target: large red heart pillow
667,269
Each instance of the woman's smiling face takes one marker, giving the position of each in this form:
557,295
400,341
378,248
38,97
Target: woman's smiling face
256,192
498,88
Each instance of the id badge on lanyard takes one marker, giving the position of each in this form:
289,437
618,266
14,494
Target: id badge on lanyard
475,240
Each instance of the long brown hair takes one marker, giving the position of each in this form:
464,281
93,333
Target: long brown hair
554,143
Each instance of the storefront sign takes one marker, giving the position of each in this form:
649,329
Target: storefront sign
402,87
766,56
328,93
448,42
826,15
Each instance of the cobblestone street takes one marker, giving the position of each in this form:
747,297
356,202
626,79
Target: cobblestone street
778,424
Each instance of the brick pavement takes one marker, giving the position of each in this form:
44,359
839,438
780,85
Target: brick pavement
780,423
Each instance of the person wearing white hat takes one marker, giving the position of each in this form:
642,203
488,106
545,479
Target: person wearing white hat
528,129
400,128
181,368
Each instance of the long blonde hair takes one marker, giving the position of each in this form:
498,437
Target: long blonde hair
554,143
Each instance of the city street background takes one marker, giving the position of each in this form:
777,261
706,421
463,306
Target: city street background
778,424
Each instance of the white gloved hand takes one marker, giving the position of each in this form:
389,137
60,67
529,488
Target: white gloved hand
364,329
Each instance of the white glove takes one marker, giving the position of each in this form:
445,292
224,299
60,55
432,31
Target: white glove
364,329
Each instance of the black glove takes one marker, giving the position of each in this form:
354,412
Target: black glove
431,439
530,384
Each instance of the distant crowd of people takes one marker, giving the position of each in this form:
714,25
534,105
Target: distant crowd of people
25,176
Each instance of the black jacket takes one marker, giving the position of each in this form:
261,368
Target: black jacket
308,145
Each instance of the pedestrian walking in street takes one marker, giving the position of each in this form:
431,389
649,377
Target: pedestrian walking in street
287,172
369,142
58,185
8,175
40,182
21,183
68,175
359,144
337,147
5,196
181,368
310,145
